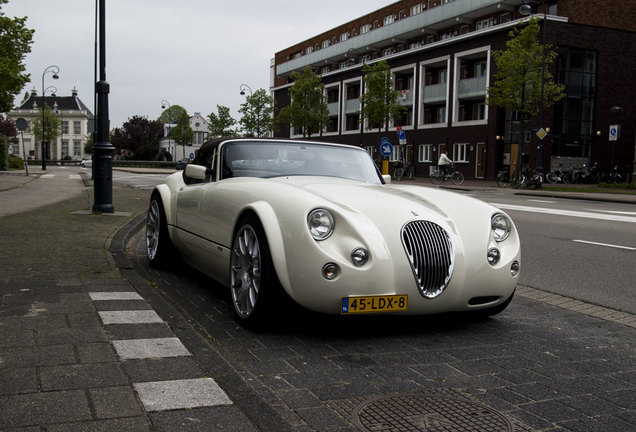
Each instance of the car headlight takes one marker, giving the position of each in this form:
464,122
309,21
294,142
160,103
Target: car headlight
500,227
320,223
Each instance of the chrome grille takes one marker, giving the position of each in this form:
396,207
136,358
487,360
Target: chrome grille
430,252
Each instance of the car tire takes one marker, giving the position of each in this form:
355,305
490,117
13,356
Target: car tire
254,284
159,247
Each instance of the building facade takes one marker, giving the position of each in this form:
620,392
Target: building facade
76,122
441,57
200,130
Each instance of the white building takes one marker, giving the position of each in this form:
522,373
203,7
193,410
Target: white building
76,124
200,131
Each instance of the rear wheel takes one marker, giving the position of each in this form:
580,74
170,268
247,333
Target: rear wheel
398,173
159,247
253,281
437,177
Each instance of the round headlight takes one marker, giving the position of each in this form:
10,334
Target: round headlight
500,226
359,256
320,224
493,256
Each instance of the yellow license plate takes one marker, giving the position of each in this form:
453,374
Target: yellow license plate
374,304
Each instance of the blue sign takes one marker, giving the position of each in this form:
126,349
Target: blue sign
401,136
386,148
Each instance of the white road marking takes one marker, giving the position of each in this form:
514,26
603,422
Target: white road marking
542,201
74,176
572,213
47,176
181,394
130,317
109,295
614,212
150,348
604,244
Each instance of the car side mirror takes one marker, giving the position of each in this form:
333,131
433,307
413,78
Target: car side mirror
198,172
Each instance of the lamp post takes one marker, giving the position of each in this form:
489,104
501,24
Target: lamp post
525,10
242,89
165,103
55,71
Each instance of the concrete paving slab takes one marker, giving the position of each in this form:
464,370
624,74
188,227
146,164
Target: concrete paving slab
118,295
181,394
130,317
149,348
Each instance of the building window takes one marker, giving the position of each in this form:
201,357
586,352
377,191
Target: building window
344,36
441,115
309,50
77,128
64,148
398,151
64,127
416,9
505,17
15,149
483,24
326,43
389,19
460,152
430,39
464,29
425,153
77,148
388,52
365,28
479,111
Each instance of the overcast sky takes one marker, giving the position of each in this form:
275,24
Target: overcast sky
193,53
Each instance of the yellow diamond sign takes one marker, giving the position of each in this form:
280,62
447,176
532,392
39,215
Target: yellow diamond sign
541,133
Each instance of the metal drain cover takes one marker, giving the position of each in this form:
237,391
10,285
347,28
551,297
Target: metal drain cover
426,412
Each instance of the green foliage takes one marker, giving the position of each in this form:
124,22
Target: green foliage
380,101
16,163
171,114
139,137
4,149
517,85
221,124
15,44
51,125
308,112
182,133
257,113
88,147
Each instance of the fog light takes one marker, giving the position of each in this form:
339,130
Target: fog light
359,256
493,256
514,268
330,271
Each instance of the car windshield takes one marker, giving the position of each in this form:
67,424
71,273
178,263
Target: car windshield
272,159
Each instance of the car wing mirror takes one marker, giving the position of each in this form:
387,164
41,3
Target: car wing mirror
198,172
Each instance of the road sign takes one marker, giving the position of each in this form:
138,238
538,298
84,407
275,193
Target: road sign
614,132
386,148
401,136
191,156
542,133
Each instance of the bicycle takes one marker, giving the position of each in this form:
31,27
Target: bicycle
438,177
401,169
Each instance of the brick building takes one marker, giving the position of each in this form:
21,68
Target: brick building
440,55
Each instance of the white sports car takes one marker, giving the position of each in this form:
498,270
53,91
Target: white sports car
319,224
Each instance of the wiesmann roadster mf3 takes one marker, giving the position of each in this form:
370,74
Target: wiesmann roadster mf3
319,224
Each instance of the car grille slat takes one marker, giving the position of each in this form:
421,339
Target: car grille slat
431,254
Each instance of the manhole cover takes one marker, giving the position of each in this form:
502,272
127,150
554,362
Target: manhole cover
427,412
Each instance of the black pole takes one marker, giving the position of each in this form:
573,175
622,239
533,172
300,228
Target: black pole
102,148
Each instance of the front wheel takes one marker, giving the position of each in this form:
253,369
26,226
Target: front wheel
457,178
253,280
398,173
159,247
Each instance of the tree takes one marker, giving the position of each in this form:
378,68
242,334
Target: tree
8,129
380,101
517,81
15,44
171,114
221,124
257,113
308,112
139,136
182,133
51,125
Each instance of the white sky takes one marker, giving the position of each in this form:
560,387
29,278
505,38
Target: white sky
193,53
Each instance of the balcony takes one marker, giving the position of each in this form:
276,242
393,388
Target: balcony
434,93
352,106
433,20
472,88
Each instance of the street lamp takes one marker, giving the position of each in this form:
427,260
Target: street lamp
242,89
165,103
55,71
525,10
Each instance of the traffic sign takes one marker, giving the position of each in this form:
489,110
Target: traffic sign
614,132
386,148
401,136
191,156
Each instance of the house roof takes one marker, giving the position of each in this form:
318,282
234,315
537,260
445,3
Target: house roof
65,103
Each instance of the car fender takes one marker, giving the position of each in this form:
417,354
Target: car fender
274,235
166,198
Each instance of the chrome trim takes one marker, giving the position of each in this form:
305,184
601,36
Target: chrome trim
431,254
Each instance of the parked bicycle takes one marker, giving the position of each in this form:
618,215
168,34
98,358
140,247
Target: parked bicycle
438,177
528,178
403,170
